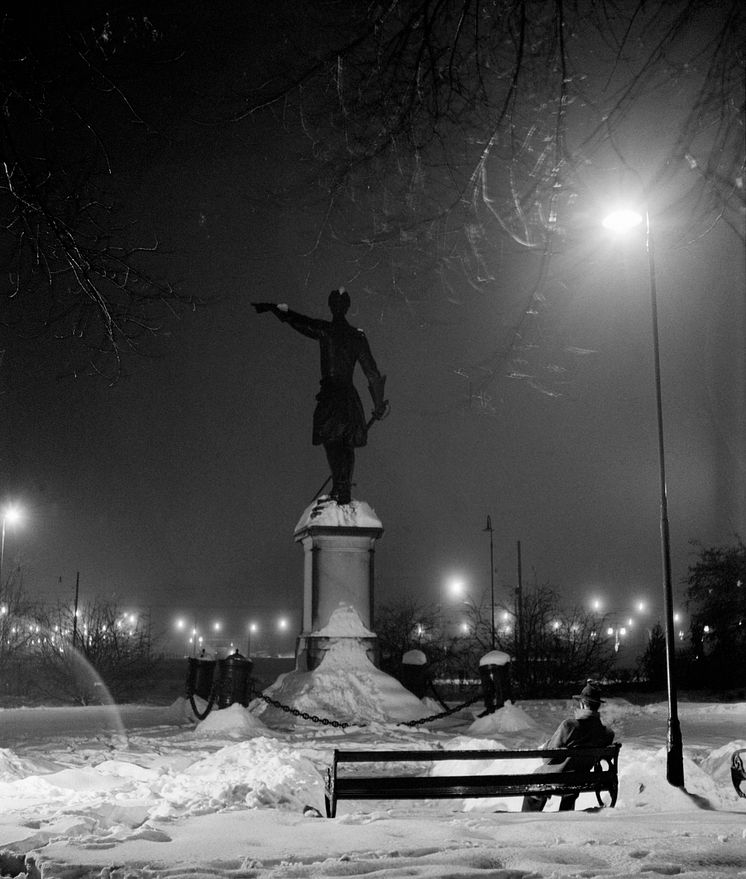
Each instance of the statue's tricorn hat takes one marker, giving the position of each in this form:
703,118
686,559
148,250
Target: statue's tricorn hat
339,300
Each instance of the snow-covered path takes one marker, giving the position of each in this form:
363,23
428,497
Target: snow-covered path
427,842
144,793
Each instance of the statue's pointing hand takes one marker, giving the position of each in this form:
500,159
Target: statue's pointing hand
280,309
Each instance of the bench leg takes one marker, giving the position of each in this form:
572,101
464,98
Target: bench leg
533,803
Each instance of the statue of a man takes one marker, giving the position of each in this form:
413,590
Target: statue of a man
338,420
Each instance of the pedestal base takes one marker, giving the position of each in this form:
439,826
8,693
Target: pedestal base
345,687
311,649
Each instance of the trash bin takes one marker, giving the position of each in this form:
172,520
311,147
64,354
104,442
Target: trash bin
199,677
234,680
414,672
494,670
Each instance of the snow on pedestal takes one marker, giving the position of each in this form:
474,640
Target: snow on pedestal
344,623
346,686
338,545
324,512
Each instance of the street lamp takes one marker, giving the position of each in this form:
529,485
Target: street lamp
11,515
492,582
457,588
253,628
621,221
618,632
182,624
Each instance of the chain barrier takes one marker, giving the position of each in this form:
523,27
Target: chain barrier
211,699
326,721
445,713
341,724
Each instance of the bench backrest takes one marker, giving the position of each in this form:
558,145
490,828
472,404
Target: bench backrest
606,752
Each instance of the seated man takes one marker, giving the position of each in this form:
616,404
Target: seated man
584,730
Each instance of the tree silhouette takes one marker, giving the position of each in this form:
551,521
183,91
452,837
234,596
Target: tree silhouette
717,601
76,266
447,136
653,660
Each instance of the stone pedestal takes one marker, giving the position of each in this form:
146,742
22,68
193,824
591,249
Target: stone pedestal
338,577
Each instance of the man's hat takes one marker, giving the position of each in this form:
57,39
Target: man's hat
590,693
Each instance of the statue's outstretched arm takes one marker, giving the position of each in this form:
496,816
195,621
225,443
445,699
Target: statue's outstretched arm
277,310
308,326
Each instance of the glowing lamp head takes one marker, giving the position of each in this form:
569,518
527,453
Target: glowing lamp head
11,515
457,588
621,220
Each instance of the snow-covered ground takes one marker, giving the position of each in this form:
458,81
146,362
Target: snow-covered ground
140,792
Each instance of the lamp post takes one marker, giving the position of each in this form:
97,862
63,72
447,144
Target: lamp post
620,221
182,624
282,627
10,516
618,632
492,584
252,630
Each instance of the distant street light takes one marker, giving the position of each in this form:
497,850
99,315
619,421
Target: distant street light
621,221
10,516
253,629
457,588
181,624
618,632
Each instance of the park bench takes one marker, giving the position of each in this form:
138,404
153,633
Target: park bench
601,776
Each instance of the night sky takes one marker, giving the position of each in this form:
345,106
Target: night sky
178,489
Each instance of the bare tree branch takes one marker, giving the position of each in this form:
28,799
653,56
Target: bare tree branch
74,270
